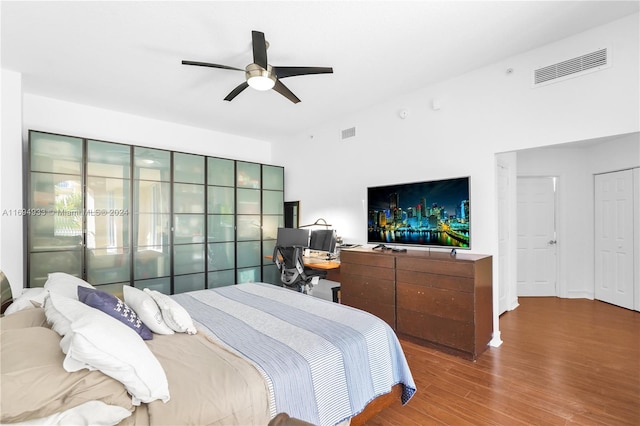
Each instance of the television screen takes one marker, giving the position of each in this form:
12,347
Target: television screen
431,213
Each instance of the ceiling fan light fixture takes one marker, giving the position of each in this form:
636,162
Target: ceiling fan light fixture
259,78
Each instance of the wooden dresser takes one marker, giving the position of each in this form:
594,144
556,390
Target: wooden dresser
430,297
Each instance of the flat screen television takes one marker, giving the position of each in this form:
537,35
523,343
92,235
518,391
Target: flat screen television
432,213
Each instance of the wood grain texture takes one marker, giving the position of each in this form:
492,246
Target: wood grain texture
563,362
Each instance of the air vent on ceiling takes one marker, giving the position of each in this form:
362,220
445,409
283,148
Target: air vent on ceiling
349,133
584,64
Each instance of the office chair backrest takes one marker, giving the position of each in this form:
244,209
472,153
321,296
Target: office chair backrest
289,262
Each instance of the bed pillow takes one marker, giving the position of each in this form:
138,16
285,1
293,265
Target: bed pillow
176,317
65,284
114,307
33,383
146,308
100,342
24,319
28,299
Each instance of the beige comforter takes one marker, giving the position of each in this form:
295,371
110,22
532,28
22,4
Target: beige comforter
208,384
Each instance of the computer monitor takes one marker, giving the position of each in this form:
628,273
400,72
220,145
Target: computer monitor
323,240
289,237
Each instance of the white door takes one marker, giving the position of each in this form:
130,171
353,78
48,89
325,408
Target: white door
614,258
537,260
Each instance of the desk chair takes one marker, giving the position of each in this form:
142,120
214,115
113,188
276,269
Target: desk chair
293,273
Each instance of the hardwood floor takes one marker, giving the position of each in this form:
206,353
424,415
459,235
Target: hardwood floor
562,362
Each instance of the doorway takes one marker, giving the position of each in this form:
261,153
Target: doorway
537,236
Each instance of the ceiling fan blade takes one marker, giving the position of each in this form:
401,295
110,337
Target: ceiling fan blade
284,91
283,72
259,49
206,64
235,92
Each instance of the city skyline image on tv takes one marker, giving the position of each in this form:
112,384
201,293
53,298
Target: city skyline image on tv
430,213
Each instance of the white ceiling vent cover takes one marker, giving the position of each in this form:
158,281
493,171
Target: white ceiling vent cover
349,133
591,62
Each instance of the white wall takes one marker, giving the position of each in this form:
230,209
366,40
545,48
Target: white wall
482,113
11,180
575,166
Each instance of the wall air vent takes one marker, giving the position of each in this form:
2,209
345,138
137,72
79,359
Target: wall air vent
594,61
349,133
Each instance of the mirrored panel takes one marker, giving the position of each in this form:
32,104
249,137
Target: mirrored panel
248,275
270,225
273,177
151,229
40,264
188,198
107,266
220,172
221,256
249,227
221,228
183,283
271,275
55,154
188,168
248,254
107,212
248,201
220,199
163,285
221,278
188,258
151,262
108,159
189,228
151,197
272,202
151,164
247,175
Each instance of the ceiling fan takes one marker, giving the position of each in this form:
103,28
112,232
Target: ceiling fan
262,76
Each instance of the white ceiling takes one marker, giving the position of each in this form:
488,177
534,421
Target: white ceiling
126,56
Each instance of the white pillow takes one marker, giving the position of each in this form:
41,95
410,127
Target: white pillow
97,341
65,284
94,413
29,298
60,323
146,308
176,317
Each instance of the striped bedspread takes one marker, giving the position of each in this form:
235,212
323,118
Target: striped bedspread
323,362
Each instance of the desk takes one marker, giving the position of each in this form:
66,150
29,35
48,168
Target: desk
331,266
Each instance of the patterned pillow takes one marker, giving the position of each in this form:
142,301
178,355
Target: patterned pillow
111,305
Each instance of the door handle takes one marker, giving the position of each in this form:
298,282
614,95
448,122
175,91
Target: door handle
552,242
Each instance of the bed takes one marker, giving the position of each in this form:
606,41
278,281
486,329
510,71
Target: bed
258,350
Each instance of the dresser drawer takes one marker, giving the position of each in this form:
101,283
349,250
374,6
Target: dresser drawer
367,271
457,268
454,334
367,258
386,312
447,282
368,288
453,305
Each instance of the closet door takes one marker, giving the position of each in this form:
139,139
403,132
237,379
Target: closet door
221,227
107,215
249,222
152,253
272,218
188,222
55,238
